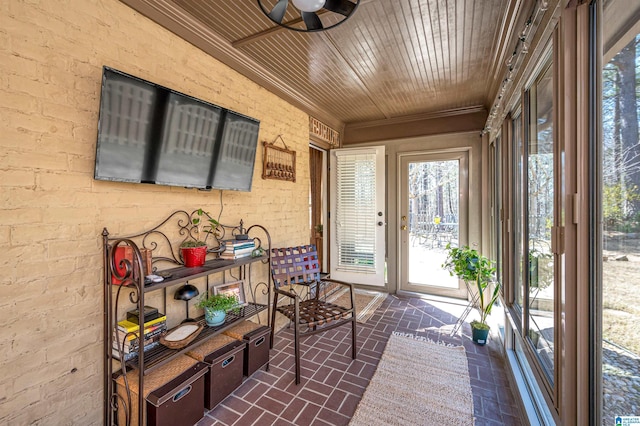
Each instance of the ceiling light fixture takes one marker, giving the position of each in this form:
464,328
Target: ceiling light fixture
308,5
307,10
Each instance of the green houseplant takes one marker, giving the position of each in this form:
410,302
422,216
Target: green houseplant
470,266
194,249
216,306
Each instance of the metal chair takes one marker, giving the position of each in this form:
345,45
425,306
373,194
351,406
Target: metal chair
297,268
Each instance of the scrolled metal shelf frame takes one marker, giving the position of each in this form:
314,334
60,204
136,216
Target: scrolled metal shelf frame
166,252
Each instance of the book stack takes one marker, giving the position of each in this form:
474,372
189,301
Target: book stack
238,249
127,337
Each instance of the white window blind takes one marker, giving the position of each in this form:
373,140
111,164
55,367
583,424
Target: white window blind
356,212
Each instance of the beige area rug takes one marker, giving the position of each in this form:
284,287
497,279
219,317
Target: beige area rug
417,382
366,301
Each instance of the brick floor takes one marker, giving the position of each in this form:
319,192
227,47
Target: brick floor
332,384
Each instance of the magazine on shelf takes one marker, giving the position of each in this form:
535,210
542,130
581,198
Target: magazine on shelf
128,326
162,326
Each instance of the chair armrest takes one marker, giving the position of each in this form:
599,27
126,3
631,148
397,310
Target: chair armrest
287,293
344,283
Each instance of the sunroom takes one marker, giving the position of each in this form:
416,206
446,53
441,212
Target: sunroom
385,133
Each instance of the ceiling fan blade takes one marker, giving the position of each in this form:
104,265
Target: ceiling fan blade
312,21
343,7
278,11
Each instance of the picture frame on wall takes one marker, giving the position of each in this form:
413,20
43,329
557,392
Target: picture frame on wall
236,288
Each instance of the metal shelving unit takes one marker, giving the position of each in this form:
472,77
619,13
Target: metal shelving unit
129,273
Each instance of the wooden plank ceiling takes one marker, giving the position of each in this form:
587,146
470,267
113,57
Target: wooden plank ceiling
392,60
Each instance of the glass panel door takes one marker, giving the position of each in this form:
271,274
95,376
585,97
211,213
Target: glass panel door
431,213
535,183
433,220
540,220
517,214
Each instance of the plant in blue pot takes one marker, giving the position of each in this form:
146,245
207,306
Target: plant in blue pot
216,306
478,272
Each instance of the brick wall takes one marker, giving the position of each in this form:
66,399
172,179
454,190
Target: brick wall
52,212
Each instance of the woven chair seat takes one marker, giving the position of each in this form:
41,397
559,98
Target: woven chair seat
315,312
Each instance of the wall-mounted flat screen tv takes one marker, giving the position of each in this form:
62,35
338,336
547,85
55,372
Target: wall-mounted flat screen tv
148,133
237,153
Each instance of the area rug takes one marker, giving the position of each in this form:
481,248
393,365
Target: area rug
366,301
417,382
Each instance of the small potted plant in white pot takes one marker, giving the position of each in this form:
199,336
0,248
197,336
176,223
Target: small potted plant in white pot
194,249
468,265
216,306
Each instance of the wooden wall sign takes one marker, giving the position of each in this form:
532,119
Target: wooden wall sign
323,132
278,163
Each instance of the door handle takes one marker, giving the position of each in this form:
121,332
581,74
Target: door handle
403,228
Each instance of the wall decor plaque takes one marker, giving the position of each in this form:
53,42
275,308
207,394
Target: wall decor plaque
278,162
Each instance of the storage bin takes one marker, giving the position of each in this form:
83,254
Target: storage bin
258,340
225,357
174,394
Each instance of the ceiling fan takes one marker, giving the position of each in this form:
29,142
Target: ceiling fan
308,10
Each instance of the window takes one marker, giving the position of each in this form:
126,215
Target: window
620,192
517,191
539,220
533,191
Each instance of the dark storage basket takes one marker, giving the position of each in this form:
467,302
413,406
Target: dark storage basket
174,394
225,357
257,337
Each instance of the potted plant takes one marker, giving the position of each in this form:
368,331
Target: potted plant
194,249
468,265
216,306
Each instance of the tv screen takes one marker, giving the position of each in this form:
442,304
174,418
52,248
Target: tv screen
237,153
148,133
189,133
124,127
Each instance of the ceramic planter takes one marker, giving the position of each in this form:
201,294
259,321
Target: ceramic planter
214,317
194,256
479,335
